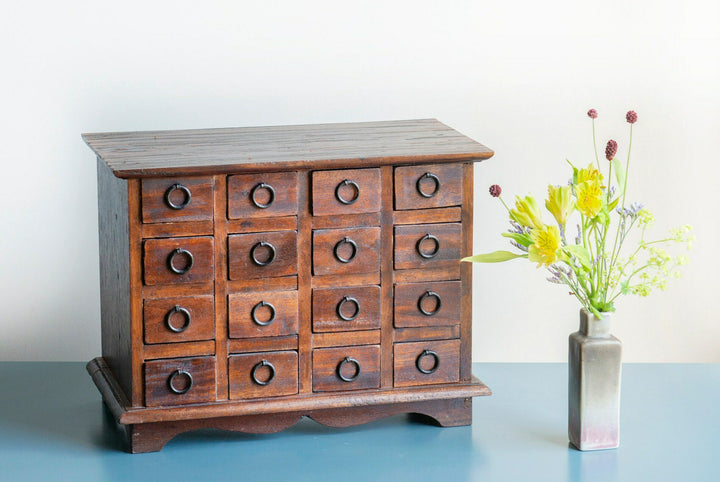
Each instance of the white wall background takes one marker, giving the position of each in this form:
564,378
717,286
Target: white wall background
515,75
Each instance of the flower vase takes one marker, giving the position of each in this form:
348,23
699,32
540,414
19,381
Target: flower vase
594,371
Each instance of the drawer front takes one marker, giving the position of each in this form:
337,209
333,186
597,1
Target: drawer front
434,303
425,363
428,245
346,368
178,260
262,255
170,320
179,381
346,309
262,195
260,375
346,251
167,200
350,191
269,313
431,186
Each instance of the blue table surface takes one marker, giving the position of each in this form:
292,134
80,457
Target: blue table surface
53,427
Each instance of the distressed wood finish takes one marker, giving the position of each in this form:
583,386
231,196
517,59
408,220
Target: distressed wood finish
262,195
424,187
261,375
410,241
359,305
172,320
262,314
318,334
440,301
351,191
192,198
277,249
330,246
441,359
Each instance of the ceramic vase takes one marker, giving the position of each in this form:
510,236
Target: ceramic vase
594,372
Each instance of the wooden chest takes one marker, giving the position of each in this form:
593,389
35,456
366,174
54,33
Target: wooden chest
253,276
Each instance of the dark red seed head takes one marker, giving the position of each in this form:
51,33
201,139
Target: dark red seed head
495,190
592,113
631,116
611,150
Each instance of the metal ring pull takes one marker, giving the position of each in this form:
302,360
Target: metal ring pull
178,252
172,189
432,253
171,380
435,179
254,191
429,294
263,363
339,244
347,182
186,315
348,299
262,244
423,355
343,363
253,313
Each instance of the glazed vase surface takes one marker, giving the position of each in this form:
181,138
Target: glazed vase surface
594,373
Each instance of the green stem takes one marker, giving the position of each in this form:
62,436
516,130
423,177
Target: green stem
597,159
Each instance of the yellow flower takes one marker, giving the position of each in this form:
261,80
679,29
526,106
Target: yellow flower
545,249
559,203
526,212
589,198
589,174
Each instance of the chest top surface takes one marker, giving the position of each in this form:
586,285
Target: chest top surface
275,148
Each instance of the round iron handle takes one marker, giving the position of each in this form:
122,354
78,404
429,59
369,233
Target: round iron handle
263,363
254,191
348,299
429,294
178,252
253,313
423,355
427,175
178,187
262,244
171,380
432,253
345,361
339,244
347,182
186,315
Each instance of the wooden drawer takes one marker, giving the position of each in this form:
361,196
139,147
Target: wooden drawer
346,251
166,200
435,303
349,191
262,195
178,260
431,186
428,245
346,309
259,314
179,381
262,255
259,375
425,363
170,320
358,365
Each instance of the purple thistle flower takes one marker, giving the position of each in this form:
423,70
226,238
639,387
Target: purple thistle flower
518,245
592,113
495,190
611,150
631,117
517,229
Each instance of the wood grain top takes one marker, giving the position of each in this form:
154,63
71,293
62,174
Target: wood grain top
276,148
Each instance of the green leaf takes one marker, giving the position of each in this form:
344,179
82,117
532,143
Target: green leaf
522,239
494,257
619,175
613,204
580,253
625,287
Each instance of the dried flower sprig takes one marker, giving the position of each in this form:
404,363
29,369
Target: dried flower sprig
592,266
